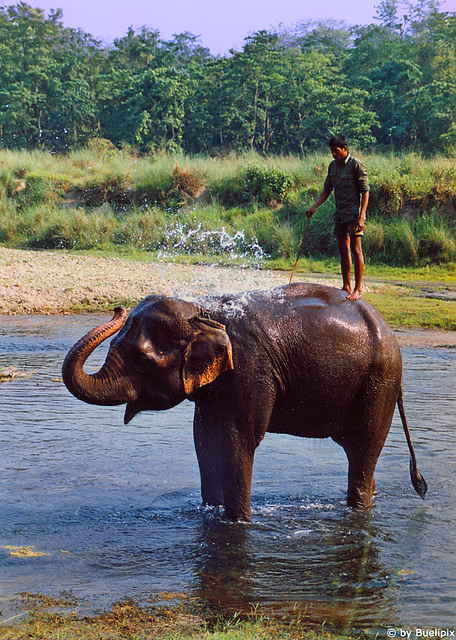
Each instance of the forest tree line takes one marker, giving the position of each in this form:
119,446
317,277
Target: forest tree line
390,84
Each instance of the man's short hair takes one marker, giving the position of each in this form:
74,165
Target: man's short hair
338,141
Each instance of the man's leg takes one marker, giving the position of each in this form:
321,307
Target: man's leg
358,259
345,261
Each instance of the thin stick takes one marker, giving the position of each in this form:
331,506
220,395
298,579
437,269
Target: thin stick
300,249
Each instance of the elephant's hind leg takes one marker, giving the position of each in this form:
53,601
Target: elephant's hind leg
364,437
361,481
363,450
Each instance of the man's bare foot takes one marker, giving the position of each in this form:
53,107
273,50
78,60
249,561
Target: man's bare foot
356,295
347,288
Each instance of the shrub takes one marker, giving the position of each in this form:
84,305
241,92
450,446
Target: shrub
185,186
186,182
266,183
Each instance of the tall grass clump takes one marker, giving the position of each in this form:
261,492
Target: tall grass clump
102,196
140,228
436,240
409,182
401,245
9,222
428,239
78,229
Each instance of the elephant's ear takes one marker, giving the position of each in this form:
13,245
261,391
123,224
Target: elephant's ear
207,355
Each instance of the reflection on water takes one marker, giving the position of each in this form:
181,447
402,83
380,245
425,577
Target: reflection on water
117,509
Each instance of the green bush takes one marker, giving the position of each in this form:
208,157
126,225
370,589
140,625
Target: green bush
266,183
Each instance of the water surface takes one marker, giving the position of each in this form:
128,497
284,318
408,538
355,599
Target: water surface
118,511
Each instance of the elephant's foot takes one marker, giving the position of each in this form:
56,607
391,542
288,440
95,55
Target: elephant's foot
357,500
238,515
236,511
360,497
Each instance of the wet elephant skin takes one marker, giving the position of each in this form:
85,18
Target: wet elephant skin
299,359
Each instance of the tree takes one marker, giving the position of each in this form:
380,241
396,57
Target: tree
148,105
251,82
407,63
391,83
46,95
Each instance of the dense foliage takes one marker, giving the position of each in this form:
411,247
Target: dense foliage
391,84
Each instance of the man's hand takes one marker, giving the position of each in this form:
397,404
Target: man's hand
360,224
310,212
324,195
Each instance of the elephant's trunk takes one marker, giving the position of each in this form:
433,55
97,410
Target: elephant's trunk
110,385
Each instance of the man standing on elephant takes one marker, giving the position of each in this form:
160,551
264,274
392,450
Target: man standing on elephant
347,176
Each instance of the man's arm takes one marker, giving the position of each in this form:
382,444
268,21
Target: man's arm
362,212
324,195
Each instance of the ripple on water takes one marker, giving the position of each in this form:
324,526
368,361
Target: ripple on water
118,511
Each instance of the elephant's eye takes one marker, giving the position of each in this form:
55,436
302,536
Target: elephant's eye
145,350
145,354
149,354
162,339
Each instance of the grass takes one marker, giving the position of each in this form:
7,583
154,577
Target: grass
409,310
184,618
104,197
238,211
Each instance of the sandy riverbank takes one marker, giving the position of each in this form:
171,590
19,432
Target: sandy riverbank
46,282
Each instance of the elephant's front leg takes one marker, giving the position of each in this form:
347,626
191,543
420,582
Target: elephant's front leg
225,457
208,452
237,464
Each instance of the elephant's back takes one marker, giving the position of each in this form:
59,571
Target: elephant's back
331,304
321,303
306,312
319,324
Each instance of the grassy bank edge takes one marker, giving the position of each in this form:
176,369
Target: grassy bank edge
189,619
109,199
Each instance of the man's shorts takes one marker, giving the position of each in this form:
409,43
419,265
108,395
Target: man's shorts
347,228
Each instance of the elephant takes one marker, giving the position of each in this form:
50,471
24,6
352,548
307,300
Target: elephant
298,359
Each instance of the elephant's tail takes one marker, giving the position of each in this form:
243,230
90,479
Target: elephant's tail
418,481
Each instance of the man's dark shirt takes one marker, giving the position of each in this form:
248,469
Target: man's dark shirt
348,180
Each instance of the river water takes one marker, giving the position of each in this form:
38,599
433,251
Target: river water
117,509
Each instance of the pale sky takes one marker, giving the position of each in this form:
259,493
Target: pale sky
221,24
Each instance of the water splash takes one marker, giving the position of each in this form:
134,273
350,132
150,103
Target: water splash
184,240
